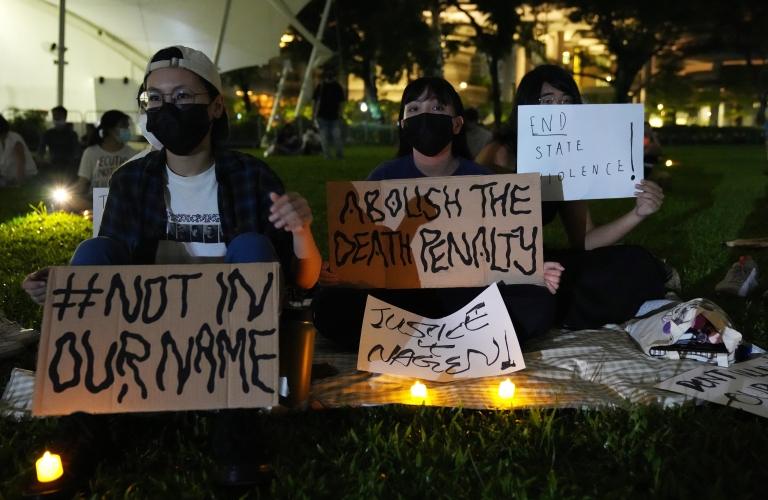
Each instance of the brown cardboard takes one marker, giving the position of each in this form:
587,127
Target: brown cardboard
203,317
435,232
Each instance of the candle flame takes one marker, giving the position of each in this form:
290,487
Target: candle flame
48,467
506,390
419,390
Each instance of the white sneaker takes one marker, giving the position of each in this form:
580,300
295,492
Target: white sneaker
740,279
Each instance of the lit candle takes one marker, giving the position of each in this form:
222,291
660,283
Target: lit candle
506,390
49,467
419,390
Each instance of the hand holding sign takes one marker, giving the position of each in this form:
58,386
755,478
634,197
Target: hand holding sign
36,284
552,273
290,211
650,196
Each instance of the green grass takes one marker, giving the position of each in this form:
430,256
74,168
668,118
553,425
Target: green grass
712,194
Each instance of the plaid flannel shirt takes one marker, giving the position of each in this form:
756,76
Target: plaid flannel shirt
135,213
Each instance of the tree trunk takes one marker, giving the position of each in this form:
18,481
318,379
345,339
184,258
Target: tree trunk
493,66
244,86
437,39
371,91
626,71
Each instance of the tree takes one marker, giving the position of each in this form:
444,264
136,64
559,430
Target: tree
379,39
494,36
740,32
633,32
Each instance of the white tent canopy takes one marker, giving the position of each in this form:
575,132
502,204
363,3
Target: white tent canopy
108,43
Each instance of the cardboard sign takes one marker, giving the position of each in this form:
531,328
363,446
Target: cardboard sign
476,341
436,231
583,151
156,338
743,385
99,202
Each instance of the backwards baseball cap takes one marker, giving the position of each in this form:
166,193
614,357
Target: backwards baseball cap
179,56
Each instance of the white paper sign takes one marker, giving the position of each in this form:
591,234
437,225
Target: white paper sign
583,151
99,202
743,385
476,341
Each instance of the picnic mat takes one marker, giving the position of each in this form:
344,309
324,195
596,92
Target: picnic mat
564,369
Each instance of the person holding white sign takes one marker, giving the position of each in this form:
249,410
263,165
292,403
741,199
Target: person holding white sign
432,144
606,284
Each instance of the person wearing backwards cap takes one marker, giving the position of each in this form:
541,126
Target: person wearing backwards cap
158,202
155,200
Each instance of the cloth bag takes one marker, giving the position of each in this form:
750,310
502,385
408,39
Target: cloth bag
697,329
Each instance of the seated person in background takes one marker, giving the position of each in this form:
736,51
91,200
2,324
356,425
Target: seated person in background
287,141
477,135
61,145
310,141
432,144
105,155
606,283
16,162
651,149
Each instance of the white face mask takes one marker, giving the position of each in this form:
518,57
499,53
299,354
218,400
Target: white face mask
149,136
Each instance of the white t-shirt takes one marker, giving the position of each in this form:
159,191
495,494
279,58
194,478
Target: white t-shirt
194,232
97,164
8,159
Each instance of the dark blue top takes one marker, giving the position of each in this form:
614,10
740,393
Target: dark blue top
405,168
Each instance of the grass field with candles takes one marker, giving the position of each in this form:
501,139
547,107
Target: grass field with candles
713,194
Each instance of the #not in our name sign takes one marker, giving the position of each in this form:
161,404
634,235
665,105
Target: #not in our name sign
436,232
158,338
478,340
583,151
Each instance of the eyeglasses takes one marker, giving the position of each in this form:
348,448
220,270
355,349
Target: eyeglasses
551,99
150,99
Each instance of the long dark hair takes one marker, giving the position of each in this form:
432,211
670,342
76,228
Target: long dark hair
109,120
445,95
529,91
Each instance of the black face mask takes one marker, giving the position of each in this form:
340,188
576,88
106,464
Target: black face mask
428,133
180,130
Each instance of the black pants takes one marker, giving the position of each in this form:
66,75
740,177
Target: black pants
606,285
338,311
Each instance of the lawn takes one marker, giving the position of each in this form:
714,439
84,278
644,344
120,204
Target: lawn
713,194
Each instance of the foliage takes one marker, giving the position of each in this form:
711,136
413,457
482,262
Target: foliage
29,243
362,35
246,131
30,124
691,134
740,31
494,36
633,32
